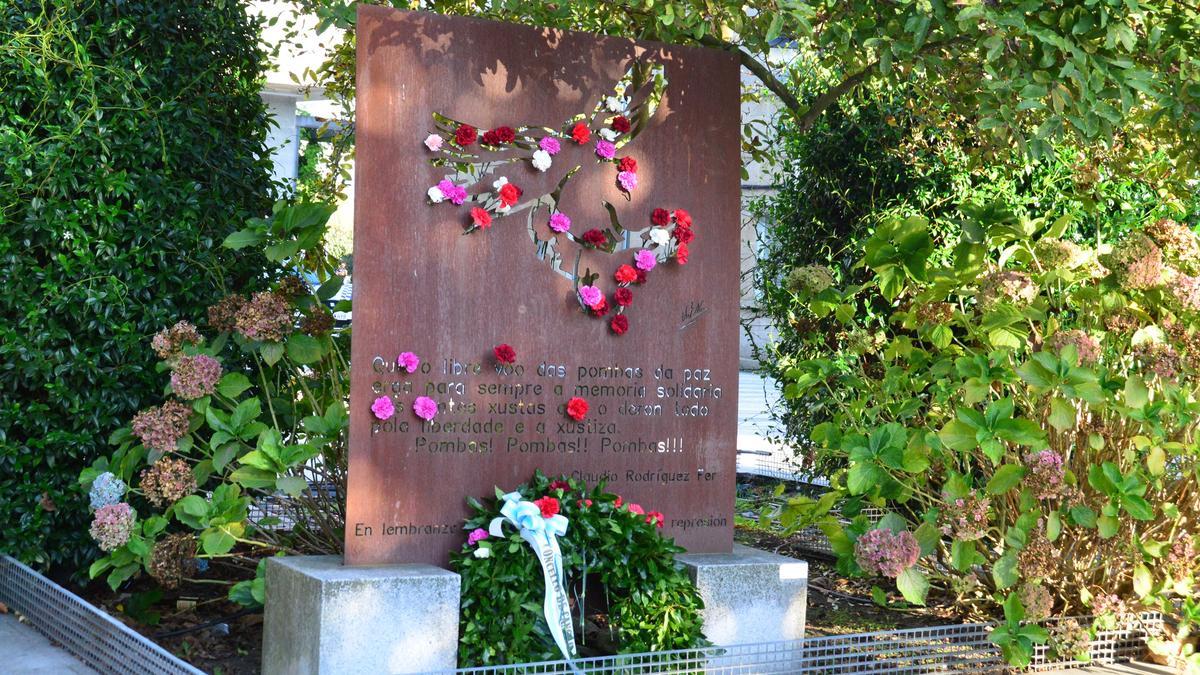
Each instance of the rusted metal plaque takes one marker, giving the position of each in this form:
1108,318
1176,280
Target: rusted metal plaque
661,428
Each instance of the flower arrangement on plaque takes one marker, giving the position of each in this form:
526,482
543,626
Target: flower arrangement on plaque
474,158
556,569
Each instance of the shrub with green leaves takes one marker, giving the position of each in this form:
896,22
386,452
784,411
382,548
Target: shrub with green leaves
626,592
255,409
132,141
1025,413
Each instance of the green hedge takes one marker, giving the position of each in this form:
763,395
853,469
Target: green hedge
132,141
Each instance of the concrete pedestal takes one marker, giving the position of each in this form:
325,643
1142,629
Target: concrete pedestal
749,595
324,617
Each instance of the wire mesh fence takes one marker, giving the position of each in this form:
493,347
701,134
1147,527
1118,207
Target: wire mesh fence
962,648
95,638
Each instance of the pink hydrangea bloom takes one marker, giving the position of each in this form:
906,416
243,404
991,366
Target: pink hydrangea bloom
590,295
966,519
408,361
477,535
1046,473
605,150
113,526
383,408
887,553
550,144
559,222
627,180
645,260
425,408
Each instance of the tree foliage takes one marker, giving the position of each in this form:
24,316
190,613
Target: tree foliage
132,142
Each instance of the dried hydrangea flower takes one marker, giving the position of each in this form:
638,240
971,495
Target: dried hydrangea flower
172,559
1071,640
267,317
1059,254
1039,559
106,490
168,343
167,481
934,313
811,279
195,376
1037,601
1013,287
160,428
1047,475
885,552
222,316
1160,360
292,287
317,321
1178,243
1139,262
1184,293
113,525
1086,346
966,519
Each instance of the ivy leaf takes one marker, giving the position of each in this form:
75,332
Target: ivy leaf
913,585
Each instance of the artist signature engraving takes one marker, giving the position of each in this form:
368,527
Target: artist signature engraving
691,314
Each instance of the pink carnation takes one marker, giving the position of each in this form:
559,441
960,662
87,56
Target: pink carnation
383,408
477,535
550,144
590,295
605,150
645,260
627,180
887,553
455,193
408,361
425,408
559,222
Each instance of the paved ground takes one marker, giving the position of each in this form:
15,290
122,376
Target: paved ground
24,651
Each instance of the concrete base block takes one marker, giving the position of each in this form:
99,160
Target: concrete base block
324,617
750,595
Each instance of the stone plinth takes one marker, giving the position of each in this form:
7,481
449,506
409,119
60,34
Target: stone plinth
750,595
324,617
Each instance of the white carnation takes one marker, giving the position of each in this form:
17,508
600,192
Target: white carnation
435,195
615,104
660,236
541,160
500,182
609,135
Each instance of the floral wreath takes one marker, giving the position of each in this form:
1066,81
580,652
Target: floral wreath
614,123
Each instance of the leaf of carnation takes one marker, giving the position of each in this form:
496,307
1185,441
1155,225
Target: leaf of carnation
913,585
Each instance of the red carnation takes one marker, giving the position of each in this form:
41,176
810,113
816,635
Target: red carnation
480,217
505,354
620,124
636,508
509,194
584,503
623,296
577,409
681,254
600,308
619,501
625,274
464,135
505,134
619,324
683,217
660,216
627,164
581,133
655,518
560,485
490,138
595,237
685,235
641,277
548,505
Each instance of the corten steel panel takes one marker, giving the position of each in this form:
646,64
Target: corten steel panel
422,286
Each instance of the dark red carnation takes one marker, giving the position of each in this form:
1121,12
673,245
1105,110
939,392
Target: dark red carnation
685,235
581,133
490,138
505,134
681,254
641,277
683,217
623,296
627,164
509,194
505,354
620,124
577,409
625,274
619,324
595,237
660,216
600,308
548,505
560,485
465,135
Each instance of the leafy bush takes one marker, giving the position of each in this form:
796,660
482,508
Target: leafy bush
133,141
626,591
256,409
1025,412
